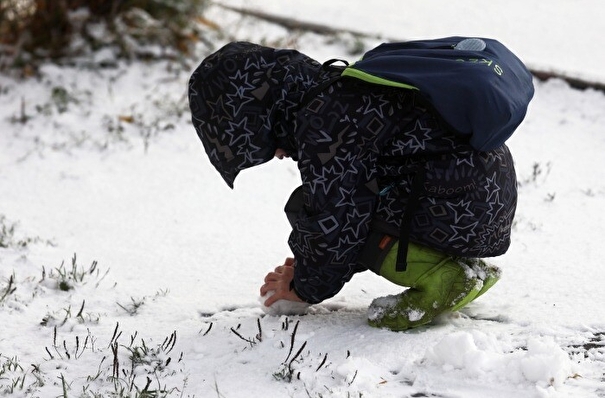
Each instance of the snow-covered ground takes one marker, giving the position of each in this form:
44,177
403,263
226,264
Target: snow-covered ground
554,35
126,260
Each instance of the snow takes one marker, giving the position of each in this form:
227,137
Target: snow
555,35
283,307
128,257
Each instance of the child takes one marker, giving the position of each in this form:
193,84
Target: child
383,175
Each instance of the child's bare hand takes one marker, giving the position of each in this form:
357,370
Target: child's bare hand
278,282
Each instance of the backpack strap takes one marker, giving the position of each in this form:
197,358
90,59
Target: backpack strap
379,242
327,66
417,188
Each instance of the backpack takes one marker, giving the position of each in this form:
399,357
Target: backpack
477,85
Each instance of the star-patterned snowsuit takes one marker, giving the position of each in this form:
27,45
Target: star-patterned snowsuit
358,148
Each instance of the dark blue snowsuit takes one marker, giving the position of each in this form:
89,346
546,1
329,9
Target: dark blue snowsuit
358,147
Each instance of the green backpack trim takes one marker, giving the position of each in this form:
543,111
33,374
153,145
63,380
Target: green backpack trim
350,71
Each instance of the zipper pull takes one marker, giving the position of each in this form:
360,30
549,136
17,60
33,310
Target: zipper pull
386,189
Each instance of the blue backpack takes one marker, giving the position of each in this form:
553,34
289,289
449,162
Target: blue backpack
478,86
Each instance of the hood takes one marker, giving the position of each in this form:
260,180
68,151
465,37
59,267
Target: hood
243,99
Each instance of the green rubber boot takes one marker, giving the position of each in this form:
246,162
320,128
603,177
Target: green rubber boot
437,283
488,274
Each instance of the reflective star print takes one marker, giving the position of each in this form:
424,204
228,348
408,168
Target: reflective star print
240,96
346,196
464,232
345,246
495,207
418,136
461,209
218,111
323,179
491,186
376,104
355,220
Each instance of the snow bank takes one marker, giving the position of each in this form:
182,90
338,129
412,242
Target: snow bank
477,355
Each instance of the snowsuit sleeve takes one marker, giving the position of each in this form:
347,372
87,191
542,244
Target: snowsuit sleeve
337,160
